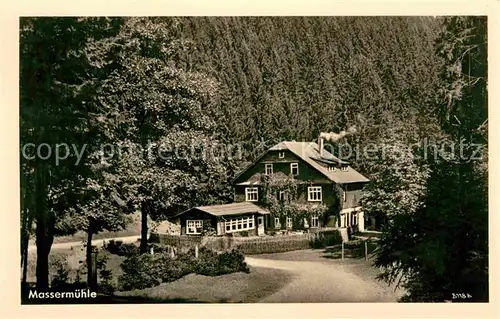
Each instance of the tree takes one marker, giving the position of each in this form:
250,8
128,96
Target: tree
55,81
442,248
399,180
97,206
159,112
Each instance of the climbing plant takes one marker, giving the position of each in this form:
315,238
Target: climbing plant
289,205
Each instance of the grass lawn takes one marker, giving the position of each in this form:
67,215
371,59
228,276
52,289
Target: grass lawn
231,288
132,229
75,258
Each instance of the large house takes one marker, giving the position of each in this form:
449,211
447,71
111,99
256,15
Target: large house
320,178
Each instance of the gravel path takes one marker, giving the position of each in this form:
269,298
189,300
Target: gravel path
96,242
316,281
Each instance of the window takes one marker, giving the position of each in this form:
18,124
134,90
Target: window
194,226
345,168
281,154
239,224
269,169
332,168
314,193
251,194
289,223
294,168
281,195
344,195
306,224
314,221
277,223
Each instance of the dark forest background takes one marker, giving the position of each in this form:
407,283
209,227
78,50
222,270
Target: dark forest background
253,82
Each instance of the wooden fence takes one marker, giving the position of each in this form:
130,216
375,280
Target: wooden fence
251,245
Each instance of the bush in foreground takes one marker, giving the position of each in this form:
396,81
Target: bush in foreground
211,263
146,270
139,272
121,249
325,239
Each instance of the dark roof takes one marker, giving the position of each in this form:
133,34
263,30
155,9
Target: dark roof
229,209
308,151
330,161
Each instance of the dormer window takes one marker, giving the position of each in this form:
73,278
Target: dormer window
269,169
332,168
281,154
344,168
294,169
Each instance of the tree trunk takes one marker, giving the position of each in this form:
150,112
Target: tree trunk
91,278
144,228
27,222
44,228
25,244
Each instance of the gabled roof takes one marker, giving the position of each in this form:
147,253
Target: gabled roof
309,153
229,209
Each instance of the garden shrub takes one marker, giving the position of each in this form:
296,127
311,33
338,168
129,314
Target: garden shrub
106,276
60,264
241,234
325,239
233,261
139,272
148,270
172,269
121,249
210,263
158,248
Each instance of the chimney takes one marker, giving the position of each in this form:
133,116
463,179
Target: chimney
320,143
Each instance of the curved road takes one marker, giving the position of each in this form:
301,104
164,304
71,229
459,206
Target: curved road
96,242
322,282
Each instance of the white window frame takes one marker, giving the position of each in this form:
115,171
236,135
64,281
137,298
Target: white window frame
289,222
332,168
281,195
271,169
292,166
306,223
281,154
314,221
237,224
277,223
344,168
312,193
250,192
192,226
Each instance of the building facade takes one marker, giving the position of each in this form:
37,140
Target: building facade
320,178
326,189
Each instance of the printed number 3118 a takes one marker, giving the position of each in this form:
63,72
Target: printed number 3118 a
461,296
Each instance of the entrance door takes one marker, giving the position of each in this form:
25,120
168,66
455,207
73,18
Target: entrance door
260,225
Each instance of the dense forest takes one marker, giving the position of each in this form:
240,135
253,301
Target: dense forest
251,82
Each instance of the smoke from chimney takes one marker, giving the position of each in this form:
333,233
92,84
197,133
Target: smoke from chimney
334,137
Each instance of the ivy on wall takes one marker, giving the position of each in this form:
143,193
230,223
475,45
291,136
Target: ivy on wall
289,206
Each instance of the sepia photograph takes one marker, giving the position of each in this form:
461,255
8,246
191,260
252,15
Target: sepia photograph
253,159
